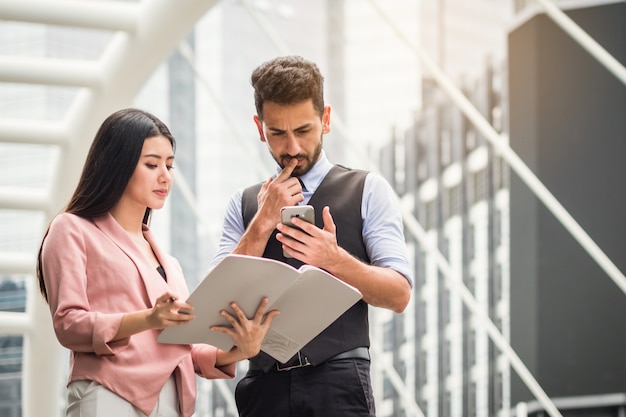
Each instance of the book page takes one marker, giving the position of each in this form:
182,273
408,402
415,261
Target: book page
309,300
314,301
282,347
243,279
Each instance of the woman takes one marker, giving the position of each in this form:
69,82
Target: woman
111,289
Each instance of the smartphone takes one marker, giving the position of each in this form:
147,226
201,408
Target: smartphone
306,213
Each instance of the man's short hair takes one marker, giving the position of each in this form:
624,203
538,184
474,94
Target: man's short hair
288,80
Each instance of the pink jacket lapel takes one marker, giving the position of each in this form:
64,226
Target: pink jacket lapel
154,284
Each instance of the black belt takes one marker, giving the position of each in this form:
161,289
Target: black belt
300,361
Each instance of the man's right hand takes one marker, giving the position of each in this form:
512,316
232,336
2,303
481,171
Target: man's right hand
276,193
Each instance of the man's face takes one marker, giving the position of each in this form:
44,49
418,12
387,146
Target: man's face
293,131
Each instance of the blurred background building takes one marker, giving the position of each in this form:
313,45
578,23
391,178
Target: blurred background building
494,267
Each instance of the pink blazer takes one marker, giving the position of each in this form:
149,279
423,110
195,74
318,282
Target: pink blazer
94,273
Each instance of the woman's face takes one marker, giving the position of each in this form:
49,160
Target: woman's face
151,181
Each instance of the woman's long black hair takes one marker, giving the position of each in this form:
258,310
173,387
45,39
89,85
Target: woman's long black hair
110,164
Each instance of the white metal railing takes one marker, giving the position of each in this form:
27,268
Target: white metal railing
139,44
106,15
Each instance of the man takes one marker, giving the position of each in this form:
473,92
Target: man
358,237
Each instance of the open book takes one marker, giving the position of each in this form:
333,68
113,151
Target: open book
309,300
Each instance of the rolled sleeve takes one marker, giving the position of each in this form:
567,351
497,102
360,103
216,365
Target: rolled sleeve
383,229
104,330
204,362
232,230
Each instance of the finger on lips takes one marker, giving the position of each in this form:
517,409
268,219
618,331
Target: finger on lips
285,174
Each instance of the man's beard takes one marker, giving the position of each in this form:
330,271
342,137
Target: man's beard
300,170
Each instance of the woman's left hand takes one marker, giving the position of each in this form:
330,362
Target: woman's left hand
248,334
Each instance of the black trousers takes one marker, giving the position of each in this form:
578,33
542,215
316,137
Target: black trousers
338,388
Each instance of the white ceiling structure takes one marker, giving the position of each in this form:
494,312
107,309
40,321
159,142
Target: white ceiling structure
144,34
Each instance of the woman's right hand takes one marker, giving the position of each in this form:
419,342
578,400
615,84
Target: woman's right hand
167,311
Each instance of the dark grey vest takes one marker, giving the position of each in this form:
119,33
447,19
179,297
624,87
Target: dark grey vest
342,191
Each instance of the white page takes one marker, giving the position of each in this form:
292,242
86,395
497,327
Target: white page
306,309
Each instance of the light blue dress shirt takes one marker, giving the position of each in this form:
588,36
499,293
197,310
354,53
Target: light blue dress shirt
383,232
